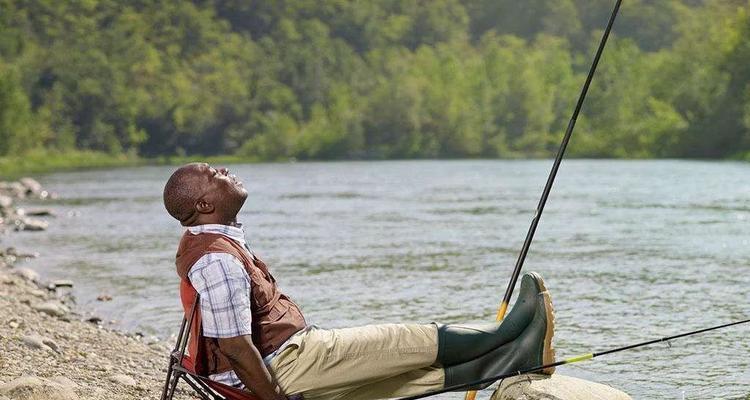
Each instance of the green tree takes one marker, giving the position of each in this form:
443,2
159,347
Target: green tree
16,135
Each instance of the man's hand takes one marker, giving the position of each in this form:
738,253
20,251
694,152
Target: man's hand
249,366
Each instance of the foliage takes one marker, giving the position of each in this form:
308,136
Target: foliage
274,80
38,161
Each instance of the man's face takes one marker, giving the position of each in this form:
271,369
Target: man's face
222,189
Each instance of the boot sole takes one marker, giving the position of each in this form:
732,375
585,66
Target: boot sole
548,352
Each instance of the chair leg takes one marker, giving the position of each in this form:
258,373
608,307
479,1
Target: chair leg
173,385
165,393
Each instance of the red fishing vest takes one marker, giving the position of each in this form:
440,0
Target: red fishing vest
274,316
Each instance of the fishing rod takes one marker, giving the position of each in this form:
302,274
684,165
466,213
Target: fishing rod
571,360
471,395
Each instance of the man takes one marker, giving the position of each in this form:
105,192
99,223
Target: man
253,336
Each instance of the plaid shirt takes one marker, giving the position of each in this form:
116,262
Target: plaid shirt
224,288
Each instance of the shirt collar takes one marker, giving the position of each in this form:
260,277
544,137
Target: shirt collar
235,232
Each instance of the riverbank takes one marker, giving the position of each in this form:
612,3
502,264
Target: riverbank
48,348
45,161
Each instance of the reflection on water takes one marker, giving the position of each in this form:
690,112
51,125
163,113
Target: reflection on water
631,250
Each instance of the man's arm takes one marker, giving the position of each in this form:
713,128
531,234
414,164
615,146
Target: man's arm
224,288
249,367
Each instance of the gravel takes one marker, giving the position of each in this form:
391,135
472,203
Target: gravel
48,350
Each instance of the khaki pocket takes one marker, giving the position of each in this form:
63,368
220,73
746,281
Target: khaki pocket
282,365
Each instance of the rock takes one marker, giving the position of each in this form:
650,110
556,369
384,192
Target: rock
34,388
5,201
33,341
94,320
31,185
60,283
13,189
51,344
10,259
104,297
152,340
122,379
31,224
39,342
51,308
27,274
103,366
11,251
555,387
40,212
64,381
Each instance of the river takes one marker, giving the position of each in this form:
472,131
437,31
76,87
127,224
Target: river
630,250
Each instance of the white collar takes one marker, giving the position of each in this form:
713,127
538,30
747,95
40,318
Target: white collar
235,232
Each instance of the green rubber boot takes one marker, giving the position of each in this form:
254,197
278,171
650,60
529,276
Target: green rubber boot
461,343
530,348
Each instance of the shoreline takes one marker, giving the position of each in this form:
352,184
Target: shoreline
50,349
42,162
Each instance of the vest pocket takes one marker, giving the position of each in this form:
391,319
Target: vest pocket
277,311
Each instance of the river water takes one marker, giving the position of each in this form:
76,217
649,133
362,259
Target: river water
630,250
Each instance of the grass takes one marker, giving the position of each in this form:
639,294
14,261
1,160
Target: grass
45,161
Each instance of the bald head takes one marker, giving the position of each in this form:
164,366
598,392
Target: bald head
183,190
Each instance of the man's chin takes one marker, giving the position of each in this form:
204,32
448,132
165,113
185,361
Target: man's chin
242,197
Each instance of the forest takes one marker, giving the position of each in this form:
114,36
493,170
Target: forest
360,79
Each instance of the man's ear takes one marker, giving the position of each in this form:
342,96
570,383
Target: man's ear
204,207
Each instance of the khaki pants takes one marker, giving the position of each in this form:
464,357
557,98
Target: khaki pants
369,362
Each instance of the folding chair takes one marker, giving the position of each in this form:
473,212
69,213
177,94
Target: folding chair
182,366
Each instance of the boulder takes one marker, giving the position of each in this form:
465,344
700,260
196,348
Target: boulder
555,387
35,388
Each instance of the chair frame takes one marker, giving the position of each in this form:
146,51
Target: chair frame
176,371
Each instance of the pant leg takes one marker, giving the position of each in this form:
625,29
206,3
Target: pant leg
411,383
327,363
